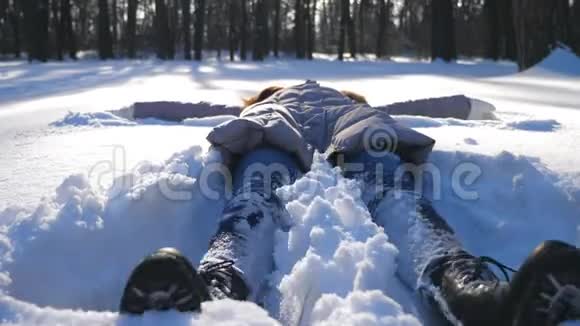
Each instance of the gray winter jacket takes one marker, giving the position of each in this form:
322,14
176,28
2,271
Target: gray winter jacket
308,117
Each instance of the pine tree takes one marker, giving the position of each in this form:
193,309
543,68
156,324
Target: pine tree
442,30
57,29
381,28
232,35
276,23
299,21
114,22
560,25
161,26
507,40
36,24
311,28
131,28
66,23
351,33
533,27
575,27
243,30
14,16
492,13
344,20
105,40
186,28
199,29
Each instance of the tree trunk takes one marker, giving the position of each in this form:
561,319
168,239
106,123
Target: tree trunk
351,33
533,26
36,22
105,40
381,29
232,29
442,31
114,22
3,27
560,18
243,30
3,11
57,29
508,35
131,28
186,28
308,27
162,31
277,4
362,8
492,17
575,28
312,29
260,24
69,39
299,29
173,29
15,22
199,29
344,18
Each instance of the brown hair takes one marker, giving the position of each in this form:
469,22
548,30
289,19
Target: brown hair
267,92
264,94
355,97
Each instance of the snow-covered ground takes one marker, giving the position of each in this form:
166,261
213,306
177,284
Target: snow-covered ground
83,196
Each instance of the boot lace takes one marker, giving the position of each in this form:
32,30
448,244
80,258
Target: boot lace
491,261
224,277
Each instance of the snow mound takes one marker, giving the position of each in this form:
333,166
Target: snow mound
334,262
560,60
73,253
94,119
77,248
224,312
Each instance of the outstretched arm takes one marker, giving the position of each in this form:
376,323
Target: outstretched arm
458,107
177,111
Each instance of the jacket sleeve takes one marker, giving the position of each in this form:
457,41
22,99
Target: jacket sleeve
458,107
177,111
364,129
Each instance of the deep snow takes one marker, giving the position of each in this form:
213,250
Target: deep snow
105,180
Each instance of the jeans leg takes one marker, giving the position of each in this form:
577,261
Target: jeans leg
246,231
431,259
410,220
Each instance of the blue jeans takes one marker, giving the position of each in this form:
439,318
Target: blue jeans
408,217
251,217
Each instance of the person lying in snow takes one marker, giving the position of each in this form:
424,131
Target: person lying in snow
271,144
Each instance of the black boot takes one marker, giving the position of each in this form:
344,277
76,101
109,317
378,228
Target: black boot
544,292
464,289
546,289
164,280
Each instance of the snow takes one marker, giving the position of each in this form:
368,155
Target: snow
97,119
561,61
334,260
86,194
226,312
